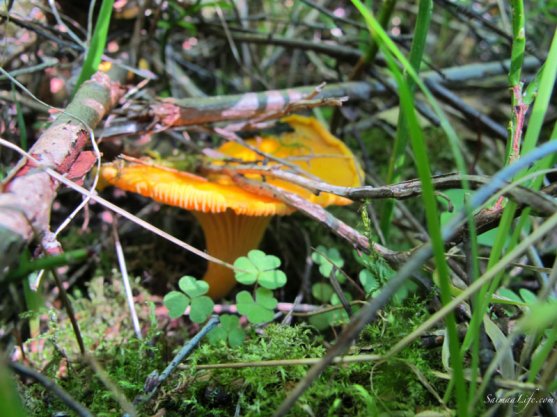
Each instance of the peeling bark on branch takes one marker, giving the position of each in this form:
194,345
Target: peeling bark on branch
201,110
27,197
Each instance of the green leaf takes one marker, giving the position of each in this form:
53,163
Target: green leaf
457,198
9,397
502,347
244,298
98,42
249,273
176,303
321,321
218,334
262,260
264,297
235,335
260,267
256,312
201,309
193,287
404,292
328,319
528,296
368,281
335,299
540,317
164,24
229,330
509,294
272,279
229,322
322,291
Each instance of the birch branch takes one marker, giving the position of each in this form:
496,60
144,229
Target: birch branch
28,193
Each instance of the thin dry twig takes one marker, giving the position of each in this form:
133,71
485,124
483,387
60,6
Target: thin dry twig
318,213
539,202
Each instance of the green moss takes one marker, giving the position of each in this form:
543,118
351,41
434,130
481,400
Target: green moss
355,389
108,337
393,386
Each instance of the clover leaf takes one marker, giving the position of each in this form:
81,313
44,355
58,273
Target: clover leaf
176,303
259,267
201,308
328,259
261,309
229,331
193,289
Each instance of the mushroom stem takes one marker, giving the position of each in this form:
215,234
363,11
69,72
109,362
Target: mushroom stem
227,237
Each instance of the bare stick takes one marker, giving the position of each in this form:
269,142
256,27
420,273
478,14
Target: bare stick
318,213
154,380
69,310
540,202
46,382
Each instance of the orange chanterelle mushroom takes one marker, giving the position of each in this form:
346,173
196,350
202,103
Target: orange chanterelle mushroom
235,220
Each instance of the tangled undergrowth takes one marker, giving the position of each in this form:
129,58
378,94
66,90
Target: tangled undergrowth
434,293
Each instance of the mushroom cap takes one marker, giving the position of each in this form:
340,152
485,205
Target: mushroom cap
312,148
189,191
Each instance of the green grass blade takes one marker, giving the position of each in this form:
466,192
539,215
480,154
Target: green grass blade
9,397
401,140
422,163
547,83
98,43
541,104
539,358
417,141
519,42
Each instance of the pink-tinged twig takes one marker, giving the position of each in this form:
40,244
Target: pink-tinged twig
519,113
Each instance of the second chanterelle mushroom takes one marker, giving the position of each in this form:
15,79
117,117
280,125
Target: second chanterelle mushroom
234,220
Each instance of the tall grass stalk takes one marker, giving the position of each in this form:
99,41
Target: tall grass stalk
532,135
397,159
409,119
98,42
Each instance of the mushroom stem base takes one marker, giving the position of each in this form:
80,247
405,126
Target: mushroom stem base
227,237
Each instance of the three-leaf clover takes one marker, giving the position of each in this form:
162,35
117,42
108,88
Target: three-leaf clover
259,267
229,330
328,259
260,310
193,289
